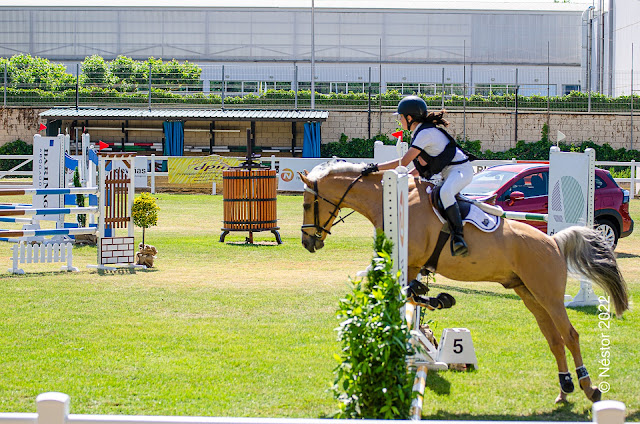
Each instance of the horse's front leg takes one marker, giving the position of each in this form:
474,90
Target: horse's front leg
412,273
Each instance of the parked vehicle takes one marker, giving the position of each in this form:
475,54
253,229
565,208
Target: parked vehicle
524,187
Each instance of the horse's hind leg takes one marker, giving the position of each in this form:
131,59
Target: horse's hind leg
554,339
551,296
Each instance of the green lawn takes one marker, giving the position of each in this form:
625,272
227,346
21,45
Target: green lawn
237,330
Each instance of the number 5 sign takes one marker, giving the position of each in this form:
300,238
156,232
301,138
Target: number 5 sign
456,347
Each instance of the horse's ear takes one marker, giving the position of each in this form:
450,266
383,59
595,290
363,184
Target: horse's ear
304,178
305,172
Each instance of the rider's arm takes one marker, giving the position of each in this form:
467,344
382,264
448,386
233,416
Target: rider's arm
408,157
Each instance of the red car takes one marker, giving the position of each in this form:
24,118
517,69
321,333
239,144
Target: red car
524,187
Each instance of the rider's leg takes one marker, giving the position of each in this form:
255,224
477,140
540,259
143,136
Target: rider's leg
455,179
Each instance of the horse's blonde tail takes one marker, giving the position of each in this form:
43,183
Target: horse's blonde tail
587,254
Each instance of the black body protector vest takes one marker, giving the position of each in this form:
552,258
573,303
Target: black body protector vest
435,164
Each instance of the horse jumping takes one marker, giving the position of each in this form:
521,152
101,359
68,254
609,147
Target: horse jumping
511,255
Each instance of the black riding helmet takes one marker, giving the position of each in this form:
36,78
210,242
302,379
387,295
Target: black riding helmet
412,106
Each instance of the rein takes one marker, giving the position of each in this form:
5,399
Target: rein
316,213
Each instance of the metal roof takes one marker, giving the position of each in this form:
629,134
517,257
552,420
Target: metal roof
186,114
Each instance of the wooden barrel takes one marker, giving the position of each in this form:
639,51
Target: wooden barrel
249,200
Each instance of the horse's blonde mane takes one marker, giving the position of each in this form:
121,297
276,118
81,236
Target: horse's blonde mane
333,167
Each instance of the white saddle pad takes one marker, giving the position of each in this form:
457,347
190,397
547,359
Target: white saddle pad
482,220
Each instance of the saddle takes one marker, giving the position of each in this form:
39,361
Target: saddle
469,212
463,202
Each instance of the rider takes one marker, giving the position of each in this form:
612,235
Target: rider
434,151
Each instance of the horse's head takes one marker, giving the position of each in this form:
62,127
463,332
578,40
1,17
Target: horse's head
323,199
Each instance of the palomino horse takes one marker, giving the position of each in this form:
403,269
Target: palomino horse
516,255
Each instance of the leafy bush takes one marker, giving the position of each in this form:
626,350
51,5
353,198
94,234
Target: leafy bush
17,147
95,72
124,75
372,380
26,72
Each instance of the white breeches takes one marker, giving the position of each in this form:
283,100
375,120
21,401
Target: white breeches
456,177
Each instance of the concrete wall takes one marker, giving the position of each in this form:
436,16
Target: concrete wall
496,130
19,123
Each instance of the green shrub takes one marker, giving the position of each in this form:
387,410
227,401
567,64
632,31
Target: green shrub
17,147
372,380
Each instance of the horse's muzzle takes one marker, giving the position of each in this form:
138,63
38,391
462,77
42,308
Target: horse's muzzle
311,243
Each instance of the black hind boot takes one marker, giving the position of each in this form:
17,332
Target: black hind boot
458,245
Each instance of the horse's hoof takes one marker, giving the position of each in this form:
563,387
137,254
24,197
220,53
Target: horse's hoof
596,396
446,299
562,398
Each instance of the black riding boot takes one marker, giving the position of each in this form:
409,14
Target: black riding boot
458,245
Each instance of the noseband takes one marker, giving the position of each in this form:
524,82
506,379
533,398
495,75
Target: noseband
320,229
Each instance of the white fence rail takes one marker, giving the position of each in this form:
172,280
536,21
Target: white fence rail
27,253
634,183
53,408
14,171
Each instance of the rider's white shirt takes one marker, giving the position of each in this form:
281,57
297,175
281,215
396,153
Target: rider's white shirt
432,141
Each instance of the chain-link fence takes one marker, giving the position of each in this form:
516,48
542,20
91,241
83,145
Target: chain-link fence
125,82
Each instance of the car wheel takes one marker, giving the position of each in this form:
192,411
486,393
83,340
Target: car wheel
608,231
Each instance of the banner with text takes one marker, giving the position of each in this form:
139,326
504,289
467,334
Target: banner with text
199,170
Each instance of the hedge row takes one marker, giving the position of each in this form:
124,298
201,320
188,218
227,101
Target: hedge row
539,150
99,95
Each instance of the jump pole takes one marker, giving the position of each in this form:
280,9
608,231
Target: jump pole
396,227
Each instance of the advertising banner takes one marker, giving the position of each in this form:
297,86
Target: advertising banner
288,178
199,170
140,167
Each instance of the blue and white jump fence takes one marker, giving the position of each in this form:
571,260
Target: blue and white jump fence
54,408
115,193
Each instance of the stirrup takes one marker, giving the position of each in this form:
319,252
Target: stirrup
458,247
442,301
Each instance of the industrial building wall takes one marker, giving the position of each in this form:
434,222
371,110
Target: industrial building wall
283,34
626,36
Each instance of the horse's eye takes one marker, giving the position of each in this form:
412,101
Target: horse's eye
306,206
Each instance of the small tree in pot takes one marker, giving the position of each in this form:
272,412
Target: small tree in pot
145,212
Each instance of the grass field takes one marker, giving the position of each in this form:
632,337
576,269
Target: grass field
238,330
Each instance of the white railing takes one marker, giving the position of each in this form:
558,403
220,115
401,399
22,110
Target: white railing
53,408
26,253
14,171
634,183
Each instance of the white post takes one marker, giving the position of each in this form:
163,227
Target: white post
609,412
575,171
84,169
632,187
153,173
132,193
396,217
101,204
52,408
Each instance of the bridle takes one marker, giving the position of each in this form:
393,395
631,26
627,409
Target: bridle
320,229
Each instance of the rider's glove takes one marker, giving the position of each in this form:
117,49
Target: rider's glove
372,167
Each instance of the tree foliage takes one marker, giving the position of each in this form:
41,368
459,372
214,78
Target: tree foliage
26,72
145,212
